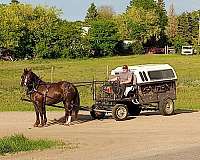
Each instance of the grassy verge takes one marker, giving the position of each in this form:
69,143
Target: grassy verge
17,143
187,68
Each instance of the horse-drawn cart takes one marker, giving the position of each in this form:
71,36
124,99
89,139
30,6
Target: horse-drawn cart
155,90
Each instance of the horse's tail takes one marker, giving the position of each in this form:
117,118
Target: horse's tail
77,104
77,99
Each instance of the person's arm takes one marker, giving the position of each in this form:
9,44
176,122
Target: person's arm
113,79
134,79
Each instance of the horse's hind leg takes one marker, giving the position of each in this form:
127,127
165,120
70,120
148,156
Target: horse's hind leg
68,112
68,117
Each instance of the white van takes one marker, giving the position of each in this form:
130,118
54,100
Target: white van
187,50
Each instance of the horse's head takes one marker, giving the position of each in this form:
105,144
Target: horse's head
27,77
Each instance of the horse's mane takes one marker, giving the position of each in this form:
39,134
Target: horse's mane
37,79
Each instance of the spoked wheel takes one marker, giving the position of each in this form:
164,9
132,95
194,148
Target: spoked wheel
166,107
96,114
120,112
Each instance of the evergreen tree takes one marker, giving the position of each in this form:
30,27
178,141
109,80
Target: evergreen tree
195,26
184,27
91,13
188,29
162,14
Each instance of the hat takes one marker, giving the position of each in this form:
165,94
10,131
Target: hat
125,67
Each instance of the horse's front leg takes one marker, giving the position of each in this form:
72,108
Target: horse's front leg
42,110
37,122
41,113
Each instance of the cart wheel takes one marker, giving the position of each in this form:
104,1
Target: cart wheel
120,112
166,107
95,114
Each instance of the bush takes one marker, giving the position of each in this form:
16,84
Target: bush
178,42
137,48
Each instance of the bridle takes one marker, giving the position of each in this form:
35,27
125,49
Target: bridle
32,86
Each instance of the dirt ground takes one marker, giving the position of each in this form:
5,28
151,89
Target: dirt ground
149,136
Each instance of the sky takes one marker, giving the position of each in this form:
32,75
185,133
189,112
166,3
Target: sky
74,10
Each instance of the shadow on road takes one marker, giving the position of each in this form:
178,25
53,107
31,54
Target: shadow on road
180,111
61,121
83,118
177,111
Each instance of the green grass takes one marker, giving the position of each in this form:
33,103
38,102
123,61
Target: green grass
187,68
18,143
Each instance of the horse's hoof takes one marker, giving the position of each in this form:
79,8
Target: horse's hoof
67,124
35,125
41,125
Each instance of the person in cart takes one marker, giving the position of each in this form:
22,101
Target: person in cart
126,79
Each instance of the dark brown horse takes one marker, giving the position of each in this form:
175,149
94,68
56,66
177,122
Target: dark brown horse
42,93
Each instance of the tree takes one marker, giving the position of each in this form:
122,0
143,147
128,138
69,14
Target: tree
161,3
162,13
195,30
10,25
91,13
139,24
121,23
184,27
73,44
103,36
23,27
105,12
39,32
15,1
171,28
145,4
159,11
188,29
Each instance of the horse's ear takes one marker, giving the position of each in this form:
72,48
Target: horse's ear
25,69
30,70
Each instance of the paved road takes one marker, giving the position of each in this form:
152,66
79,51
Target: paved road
187,153
146,137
